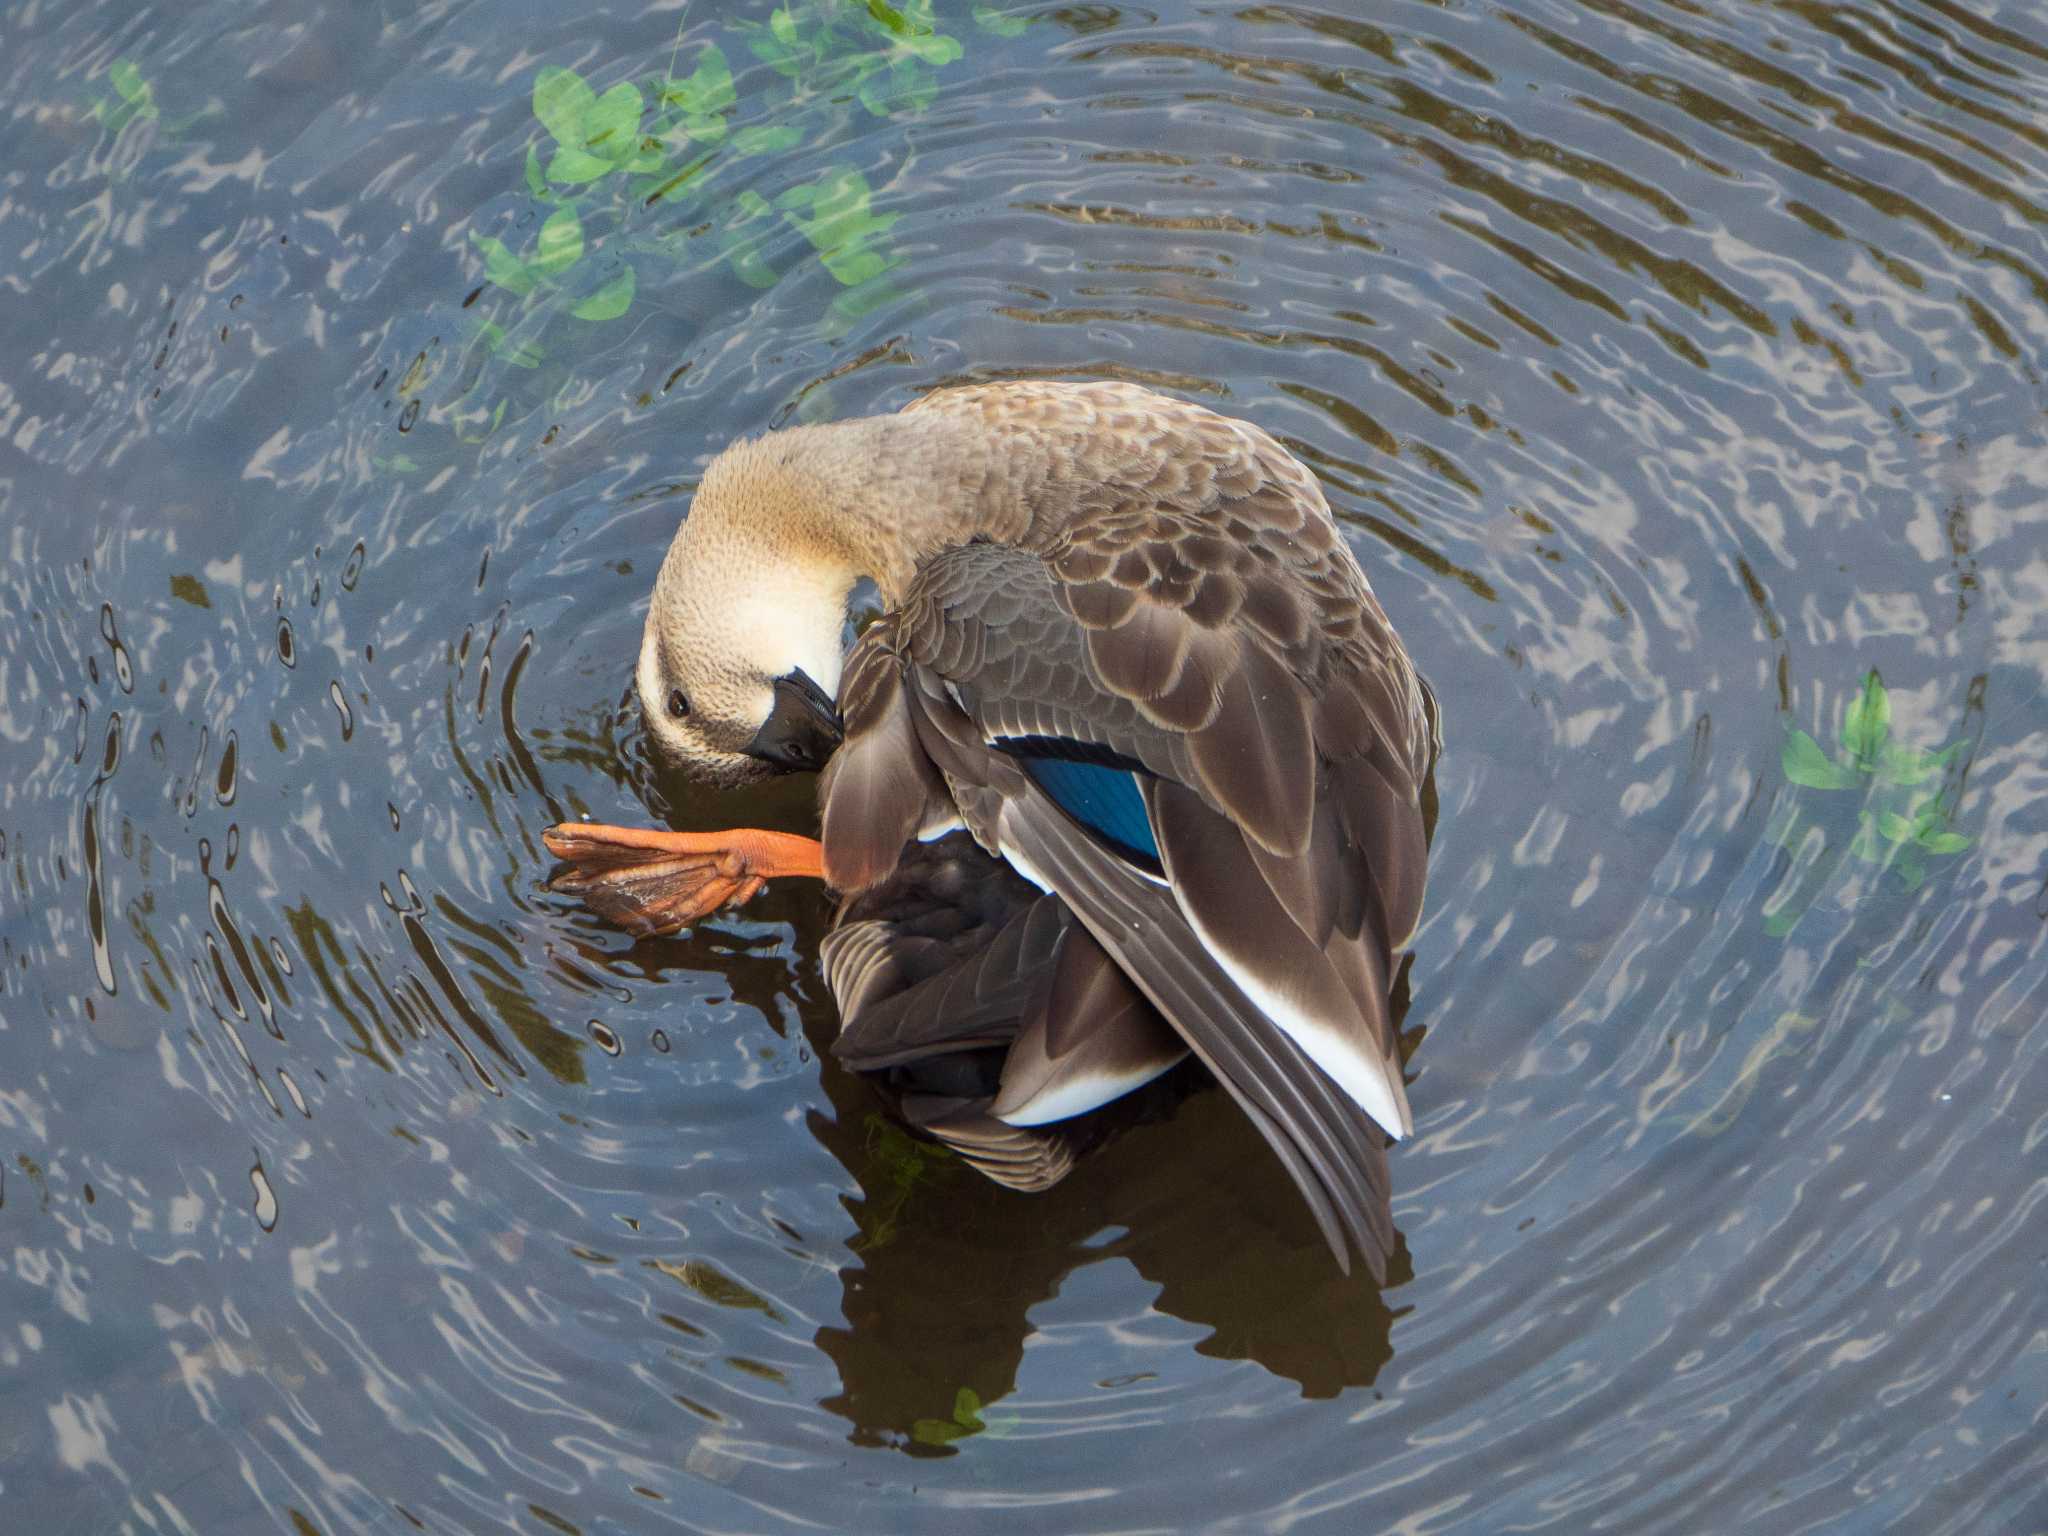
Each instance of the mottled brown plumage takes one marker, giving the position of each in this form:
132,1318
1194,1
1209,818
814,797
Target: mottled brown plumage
1127,648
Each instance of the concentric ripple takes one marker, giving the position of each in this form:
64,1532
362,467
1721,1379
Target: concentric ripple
1672,367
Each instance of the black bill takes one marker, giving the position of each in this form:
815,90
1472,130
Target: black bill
803,729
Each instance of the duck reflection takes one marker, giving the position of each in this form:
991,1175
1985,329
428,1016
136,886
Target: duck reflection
1126,792
946,1267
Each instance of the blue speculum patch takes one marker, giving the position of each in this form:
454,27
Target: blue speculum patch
1101,796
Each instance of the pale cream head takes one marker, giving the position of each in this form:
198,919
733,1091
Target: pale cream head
746,631
752,593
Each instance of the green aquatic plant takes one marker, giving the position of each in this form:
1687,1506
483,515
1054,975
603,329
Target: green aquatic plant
968,1418
134,100
899,1164
1002,23
833,213
1903,816
645,175
134,97
595,136
558,247
887,54
654,145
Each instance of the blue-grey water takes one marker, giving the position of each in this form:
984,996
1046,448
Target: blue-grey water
1672,365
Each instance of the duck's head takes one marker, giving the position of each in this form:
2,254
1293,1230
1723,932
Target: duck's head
741,655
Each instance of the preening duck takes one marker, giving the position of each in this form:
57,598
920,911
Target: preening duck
1132,766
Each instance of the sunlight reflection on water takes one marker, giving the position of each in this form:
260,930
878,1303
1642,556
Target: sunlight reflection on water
1669,370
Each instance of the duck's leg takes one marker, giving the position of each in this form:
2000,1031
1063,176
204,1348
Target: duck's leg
650,881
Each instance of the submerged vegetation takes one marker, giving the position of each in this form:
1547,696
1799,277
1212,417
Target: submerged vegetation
969,1418
643,172
1905,801
716,170
134,97
899,1165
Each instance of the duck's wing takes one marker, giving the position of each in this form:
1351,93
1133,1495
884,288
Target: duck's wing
982,1004
1216,598
1196,727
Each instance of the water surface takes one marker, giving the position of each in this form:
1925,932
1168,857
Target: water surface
1671,366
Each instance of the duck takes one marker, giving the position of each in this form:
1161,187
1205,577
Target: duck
1131,777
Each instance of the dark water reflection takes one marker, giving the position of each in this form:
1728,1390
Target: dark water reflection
1671,365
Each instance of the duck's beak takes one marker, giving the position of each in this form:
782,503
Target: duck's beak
802,730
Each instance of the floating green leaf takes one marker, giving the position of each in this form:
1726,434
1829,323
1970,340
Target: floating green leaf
906,85
921,35
1867,722
853,304
1806,763
127,79
596,134
574,167
502,267
608,302
669,137
1898,825
933,48
703,96
561,242
190,589
611,127
1909,765
1002,23
966,1421
137,98
748,265
742,245
781,48
523,354
560,101
835,216
766,138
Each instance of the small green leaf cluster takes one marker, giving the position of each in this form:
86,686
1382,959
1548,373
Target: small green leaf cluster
1904,818
887,54
834,213
968,1419
134,97
594,135
898,1165
558,247
135,101
662,139
605,156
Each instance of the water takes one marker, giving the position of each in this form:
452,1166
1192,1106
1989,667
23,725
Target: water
1672,367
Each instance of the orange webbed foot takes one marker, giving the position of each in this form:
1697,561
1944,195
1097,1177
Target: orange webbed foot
650,881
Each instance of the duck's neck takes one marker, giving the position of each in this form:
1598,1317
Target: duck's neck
870,498
783,527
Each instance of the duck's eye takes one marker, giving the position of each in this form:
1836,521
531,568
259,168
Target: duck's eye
678,706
